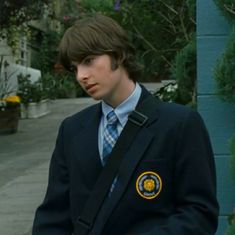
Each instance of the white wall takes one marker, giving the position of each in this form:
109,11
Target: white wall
8,78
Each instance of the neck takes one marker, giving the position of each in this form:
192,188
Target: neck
124,91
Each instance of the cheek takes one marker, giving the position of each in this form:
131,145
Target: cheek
81,84
76,76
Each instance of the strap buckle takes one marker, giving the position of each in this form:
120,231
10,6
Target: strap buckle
138,118
84,223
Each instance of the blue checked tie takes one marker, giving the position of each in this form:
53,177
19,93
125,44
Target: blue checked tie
110,135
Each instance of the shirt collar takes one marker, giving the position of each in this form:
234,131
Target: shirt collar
125,108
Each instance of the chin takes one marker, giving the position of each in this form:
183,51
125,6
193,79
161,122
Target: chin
96,97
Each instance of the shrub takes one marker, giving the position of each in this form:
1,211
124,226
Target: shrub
184,71
29,91
227,8
168,93
224,72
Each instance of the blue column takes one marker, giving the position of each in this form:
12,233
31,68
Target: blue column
212,35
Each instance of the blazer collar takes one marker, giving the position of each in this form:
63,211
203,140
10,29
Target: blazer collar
153,112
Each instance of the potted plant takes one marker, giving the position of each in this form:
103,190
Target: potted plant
9,102
34,101
9,114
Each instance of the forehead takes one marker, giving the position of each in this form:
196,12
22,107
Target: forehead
76,61
92,56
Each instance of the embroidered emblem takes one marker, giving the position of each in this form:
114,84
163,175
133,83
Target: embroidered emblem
149,185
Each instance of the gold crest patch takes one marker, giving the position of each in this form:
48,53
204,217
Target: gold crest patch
149,185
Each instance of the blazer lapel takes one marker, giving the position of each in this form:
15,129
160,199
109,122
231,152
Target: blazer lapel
84,147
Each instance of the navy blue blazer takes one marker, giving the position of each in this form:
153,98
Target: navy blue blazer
171,191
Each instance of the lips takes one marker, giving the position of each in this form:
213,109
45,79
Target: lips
89,86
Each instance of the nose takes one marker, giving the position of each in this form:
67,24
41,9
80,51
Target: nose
82,73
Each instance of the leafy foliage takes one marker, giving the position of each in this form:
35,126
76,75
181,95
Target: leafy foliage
225,73
66,86
158,29
17,12
14,19
47,56
29,91
56,82
184,71
168,93
225,78
227,8
192,8
231,227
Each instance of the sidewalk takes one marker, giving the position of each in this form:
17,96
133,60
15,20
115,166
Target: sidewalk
24,160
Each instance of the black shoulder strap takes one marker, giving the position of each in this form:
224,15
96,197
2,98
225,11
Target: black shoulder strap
136,120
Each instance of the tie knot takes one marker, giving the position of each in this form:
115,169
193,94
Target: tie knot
112,117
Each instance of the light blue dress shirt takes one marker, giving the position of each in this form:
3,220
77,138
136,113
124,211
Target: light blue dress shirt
122,111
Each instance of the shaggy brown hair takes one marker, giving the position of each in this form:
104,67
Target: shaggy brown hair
98,35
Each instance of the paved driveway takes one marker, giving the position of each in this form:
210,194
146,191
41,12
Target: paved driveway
24,160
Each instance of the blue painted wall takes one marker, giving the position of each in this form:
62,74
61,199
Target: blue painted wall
212,35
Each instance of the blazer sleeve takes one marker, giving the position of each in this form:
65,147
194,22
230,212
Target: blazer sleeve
196,207
52,216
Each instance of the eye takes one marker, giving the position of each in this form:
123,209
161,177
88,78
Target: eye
88,60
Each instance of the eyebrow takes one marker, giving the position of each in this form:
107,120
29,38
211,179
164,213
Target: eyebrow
73,63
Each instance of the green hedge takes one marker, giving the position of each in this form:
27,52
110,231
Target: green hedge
227,8
225,79
184,72
225,72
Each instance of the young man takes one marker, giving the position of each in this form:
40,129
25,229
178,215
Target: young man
165,184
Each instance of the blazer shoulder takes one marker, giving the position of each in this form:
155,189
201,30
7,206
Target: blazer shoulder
175,108
79,119
85,113
177,112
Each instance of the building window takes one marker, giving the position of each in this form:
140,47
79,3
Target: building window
23,51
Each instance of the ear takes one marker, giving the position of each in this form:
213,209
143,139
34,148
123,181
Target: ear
117,60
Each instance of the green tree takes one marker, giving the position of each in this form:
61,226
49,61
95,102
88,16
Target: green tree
158,29
17,12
